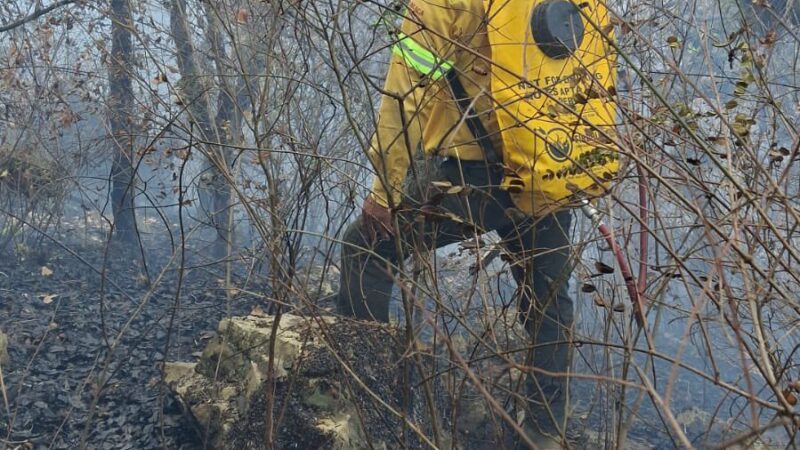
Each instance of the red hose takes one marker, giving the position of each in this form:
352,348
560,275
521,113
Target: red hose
627,275
634,290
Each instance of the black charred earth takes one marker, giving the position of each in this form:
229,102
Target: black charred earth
87,338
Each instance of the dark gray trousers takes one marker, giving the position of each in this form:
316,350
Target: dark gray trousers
541,265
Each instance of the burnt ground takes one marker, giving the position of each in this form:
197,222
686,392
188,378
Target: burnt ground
60,325
374,353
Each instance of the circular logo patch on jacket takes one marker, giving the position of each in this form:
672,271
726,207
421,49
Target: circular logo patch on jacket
559,144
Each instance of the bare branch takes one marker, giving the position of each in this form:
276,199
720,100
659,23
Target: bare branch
39,12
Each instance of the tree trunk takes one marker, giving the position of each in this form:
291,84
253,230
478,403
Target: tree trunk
218,205
120,100
232,98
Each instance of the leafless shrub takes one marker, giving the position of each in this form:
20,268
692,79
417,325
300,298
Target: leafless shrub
251,120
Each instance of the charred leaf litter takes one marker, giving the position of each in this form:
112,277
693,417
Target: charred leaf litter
50,308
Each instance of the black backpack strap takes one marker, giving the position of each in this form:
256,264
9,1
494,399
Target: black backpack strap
474,124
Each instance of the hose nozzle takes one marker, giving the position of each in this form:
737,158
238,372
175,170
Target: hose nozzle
590,211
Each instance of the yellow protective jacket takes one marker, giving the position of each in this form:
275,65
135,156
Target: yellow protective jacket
558,112
435,36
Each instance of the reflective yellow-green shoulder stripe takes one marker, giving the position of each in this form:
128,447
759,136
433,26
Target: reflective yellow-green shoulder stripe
420,58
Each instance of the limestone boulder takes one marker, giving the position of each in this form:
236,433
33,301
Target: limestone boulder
335,384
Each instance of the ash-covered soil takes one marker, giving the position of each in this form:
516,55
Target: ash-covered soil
67,380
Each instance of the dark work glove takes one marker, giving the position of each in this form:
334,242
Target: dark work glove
377,219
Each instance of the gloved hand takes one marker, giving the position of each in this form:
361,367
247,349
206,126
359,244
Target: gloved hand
377,219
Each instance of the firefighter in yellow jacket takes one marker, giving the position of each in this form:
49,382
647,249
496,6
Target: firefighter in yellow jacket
439,97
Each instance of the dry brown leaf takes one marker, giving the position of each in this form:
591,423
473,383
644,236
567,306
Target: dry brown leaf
182,154
48,298
258,312
603,267
242,16
455,190
66,118
790,398
46,272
